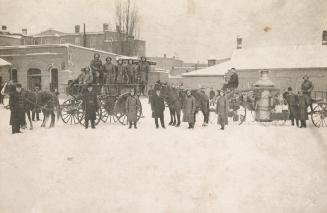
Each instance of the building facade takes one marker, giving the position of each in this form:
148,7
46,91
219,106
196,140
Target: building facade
105,40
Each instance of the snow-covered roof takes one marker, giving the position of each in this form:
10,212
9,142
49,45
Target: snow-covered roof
298,56
4,63
216,70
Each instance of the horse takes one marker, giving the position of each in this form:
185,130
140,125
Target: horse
174,100
202,103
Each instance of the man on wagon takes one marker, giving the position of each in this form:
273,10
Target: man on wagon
96,65
143,69
109,72
307,87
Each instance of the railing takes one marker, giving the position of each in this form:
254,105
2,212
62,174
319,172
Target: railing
319,95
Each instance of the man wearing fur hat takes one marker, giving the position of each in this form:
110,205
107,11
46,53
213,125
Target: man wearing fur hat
16,104
90,105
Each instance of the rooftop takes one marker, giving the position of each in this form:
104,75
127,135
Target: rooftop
4,63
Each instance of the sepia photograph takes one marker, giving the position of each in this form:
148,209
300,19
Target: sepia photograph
163,106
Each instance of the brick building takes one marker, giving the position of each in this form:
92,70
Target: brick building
106,40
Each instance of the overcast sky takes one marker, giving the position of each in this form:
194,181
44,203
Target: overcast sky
193,30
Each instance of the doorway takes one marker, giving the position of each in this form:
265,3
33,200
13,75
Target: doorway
33,78
54,79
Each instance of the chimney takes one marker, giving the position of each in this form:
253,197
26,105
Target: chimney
24,32
239,42
105,27
77,29
4,28
212,62
324,37
165,56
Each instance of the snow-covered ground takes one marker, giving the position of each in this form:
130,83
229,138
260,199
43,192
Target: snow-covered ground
247,168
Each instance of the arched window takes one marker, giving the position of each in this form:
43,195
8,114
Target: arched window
33,78
54,79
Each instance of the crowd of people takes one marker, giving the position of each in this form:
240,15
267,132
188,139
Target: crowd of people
108,73
112,75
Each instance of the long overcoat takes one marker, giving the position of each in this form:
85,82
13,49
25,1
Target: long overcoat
120,71
90,104
302,106
143,69
222,110
292,101
132,105
109,72
189,107
16,104
157,105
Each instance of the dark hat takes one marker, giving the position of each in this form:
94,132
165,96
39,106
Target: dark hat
289,89
89,85
83,69
305,76
18,85
108,58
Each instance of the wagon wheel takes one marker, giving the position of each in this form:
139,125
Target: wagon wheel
81,116
107,110
319,115
69,111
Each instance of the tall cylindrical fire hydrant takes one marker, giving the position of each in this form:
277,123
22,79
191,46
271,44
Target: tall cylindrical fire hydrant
265,90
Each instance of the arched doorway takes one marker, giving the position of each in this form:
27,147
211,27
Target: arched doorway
54,79
13,75
33,78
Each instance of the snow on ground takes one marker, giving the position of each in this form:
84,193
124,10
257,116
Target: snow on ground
247,168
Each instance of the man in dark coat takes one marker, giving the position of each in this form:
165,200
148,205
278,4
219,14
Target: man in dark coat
233,80
307,87
158,108
302,106
16,104
90,104
36,112
292,101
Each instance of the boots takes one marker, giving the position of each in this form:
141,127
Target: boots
130,125
92,124
135,127
86,123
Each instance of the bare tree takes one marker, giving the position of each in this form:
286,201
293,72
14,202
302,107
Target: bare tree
126,17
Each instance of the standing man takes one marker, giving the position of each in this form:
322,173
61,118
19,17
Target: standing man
292,101
95,66
16,104
189,108
1,95
307,87
143,69
109,73
302,106
222,110
36,111
131,72
90,105
158,108
132,105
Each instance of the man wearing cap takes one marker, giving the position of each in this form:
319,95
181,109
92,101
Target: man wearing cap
95,66
189,108
158,108
90,105
132,105
143,69
307,87
36,112
16,104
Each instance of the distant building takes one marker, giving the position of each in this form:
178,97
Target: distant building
105,40
167,63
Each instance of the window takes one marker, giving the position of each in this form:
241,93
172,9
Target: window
35,42
92,42
62,41
77,40
13,75
33,78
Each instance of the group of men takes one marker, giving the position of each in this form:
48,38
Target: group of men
299,103
109,73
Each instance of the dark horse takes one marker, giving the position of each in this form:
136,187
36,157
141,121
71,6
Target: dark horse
175,98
